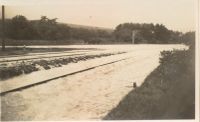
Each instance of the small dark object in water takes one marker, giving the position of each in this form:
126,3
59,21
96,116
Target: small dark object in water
134,85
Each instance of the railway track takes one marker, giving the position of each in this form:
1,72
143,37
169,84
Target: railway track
45,53
21,58
39,57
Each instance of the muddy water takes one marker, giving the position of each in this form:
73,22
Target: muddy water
84,96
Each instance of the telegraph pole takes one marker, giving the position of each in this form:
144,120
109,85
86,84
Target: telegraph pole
3,28
133,37
134,32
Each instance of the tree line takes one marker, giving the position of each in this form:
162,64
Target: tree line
20,28
147,33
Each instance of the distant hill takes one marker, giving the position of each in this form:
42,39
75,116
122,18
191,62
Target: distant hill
89,27
110,30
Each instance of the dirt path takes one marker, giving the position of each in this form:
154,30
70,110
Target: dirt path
87,95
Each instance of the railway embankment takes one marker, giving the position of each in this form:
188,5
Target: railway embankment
167,93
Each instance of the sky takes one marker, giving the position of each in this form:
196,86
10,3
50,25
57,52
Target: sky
174,14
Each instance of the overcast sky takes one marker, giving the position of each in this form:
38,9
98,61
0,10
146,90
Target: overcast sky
174,14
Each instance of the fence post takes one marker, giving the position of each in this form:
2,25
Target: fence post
3,28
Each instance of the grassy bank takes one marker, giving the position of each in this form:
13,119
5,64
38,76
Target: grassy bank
167,93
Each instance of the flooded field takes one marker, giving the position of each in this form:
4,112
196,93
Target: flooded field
85,95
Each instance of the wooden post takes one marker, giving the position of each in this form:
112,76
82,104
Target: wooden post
133,37
134,32
3,28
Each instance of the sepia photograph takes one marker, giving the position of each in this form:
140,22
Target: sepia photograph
72,60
